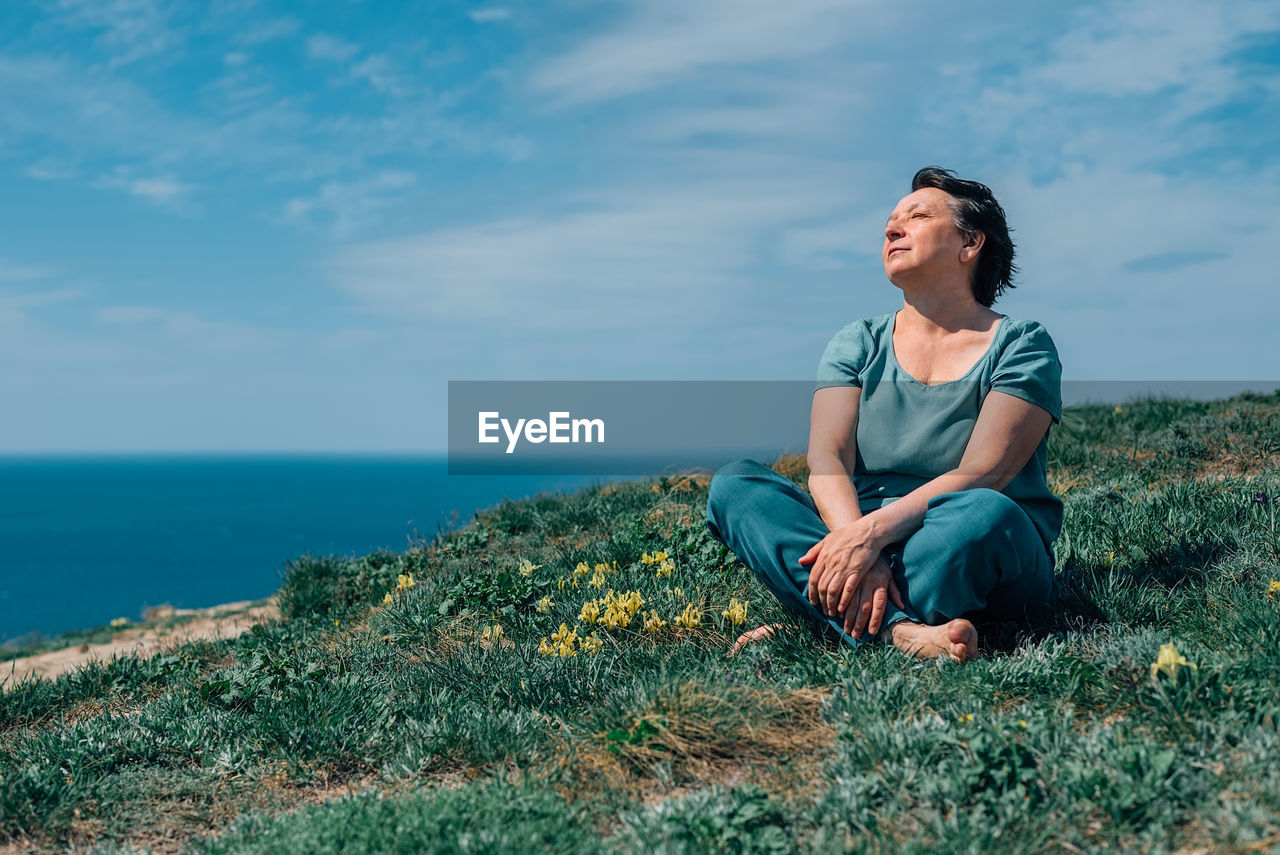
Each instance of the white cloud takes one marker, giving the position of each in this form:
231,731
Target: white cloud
1145,48
330,49
131,29
663,41
191,329
634,256
345,206
17,272
492,13
161,189
377,71
257,32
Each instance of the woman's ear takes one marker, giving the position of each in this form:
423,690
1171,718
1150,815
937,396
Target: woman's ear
973,242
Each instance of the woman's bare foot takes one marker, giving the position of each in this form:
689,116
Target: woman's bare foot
957,639
760,633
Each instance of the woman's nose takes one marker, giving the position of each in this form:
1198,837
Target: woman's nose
892,232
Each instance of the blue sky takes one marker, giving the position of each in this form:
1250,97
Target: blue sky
251,225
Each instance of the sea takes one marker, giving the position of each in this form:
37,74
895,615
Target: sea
85,540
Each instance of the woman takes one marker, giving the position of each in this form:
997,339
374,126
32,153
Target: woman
928,506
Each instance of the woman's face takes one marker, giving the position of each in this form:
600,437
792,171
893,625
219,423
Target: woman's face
921,239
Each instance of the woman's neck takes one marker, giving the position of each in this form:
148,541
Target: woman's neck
943,313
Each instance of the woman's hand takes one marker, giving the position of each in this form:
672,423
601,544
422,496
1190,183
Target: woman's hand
850,577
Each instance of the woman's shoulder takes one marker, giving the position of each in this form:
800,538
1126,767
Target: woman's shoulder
873,327
1024,332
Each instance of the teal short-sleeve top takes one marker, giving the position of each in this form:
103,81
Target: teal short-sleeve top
909,432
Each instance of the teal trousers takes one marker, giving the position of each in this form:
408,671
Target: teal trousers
976,555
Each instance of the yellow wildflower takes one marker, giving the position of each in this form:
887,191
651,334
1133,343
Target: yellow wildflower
386,599
582,569
653,623
491,633
337,623
527,567
675,593
1273,589
666,568
1119,410
737,611
660,556
124,621
690,617
592,644
590,612
646,559
405,582
544,605
597,578
615,616
1168,662
967,717
562,643
1022,722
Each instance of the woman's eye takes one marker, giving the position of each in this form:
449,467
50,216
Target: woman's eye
913,216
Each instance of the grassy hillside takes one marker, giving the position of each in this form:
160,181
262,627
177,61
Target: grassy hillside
450,715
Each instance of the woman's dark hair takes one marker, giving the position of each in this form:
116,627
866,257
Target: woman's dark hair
975,209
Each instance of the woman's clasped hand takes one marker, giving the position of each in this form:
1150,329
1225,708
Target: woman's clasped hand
849,577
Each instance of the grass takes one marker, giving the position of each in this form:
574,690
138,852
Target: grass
357,726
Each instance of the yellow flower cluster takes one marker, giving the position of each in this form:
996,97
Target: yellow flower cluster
615,611
403,583
737,611
653,623
596,574
656,558
563,642
116,623
690,617
491,633
1168,661
1273,590
527,567
544,605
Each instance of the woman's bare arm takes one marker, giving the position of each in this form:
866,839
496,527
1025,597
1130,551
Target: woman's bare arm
1006,434
833,423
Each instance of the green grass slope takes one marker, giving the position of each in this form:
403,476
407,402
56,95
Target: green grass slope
453,714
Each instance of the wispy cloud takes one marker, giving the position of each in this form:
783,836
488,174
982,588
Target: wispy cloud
160,189
491,13
130,29
346,206
16,272
258,32
660,42
635,257
330,48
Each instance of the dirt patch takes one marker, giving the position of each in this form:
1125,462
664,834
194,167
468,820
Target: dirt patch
217,622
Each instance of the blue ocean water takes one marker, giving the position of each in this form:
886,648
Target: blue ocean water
84,540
